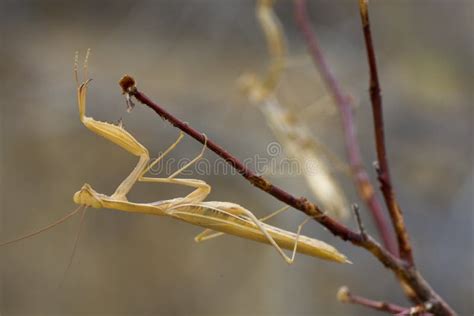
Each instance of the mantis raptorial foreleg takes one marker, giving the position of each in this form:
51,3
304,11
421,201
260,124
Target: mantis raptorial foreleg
119,136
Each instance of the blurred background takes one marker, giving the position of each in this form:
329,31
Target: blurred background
187,56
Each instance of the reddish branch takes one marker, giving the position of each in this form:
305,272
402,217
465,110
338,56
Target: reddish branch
345,296
403,272
422,291
383,168
345,107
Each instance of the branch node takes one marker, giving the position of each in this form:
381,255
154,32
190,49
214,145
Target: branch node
260,183
363,234
376,166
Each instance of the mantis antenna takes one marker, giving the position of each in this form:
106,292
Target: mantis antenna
48,227
74,248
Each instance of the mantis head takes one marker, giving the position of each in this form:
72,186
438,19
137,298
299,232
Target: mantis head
88,196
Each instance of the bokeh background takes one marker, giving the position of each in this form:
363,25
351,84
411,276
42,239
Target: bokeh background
187,55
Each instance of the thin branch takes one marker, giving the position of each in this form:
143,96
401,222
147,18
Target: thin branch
293,133
345,107
345,296
406,274
418,285
383,170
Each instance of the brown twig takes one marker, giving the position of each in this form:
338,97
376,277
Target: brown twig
345,107
345,296
404,273
383,170
417,291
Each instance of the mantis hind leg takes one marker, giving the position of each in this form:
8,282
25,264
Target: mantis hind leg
259,225
208,234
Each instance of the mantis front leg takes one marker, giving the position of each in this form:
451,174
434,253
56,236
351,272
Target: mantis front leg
118,135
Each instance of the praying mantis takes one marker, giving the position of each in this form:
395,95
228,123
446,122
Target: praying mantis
217,217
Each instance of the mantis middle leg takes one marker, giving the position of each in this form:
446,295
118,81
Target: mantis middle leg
202,189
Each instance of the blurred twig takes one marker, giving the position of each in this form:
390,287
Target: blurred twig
289,129
343,102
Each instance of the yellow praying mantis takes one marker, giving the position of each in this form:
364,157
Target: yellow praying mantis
217,217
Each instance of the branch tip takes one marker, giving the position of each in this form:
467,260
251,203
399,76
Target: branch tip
364,11
128,84
343,294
